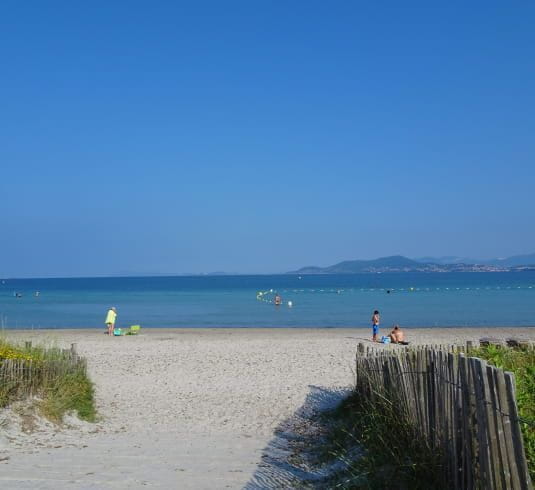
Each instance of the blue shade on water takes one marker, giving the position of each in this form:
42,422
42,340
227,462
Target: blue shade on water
415,299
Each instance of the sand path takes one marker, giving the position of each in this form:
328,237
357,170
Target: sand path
188,408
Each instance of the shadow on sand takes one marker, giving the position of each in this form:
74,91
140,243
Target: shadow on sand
281,467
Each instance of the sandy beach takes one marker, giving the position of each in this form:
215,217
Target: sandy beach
189,408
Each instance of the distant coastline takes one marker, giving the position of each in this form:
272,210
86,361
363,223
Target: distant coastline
394,263
399,263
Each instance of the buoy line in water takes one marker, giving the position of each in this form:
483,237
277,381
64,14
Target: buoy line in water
266,296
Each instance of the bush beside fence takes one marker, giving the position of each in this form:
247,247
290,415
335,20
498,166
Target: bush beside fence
460,406
27,372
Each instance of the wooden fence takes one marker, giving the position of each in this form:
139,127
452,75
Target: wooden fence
461,406
20,378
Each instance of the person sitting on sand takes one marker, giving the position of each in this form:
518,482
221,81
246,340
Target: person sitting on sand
110,319
278,300
397,336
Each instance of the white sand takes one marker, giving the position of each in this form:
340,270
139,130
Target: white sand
188,408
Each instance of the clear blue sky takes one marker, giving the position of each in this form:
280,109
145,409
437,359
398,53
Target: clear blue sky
262,136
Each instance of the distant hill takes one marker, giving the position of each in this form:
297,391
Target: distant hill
393,263
398,263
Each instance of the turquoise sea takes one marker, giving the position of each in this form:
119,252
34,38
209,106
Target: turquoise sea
415,299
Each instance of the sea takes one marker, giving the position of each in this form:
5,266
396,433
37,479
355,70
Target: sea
408,299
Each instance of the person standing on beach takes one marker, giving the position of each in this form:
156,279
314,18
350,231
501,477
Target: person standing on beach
110,319
375,325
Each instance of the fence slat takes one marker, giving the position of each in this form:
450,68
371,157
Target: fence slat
494,455
505,474
509,449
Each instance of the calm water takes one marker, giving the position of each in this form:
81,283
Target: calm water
415,299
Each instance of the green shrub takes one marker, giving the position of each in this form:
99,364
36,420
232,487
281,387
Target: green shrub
52,374
71,392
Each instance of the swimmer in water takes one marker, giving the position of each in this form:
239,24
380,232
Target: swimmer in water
278,300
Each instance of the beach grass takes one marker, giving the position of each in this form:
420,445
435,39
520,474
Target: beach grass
54,376
391,453
72,392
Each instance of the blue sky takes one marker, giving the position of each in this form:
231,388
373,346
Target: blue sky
262,136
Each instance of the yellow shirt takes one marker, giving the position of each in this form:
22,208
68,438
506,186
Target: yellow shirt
110,317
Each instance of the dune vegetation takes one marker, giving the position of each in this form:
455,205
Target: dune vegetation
56,378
